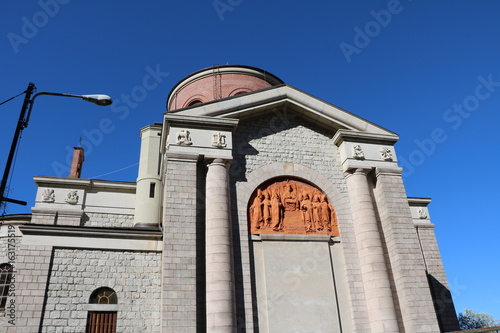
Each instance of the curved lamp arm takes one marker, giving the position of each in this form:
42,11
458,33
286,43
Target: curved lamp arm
102,100
22,123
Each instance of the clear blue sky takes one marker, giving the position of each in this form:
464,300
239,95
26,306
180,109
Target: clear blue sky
427,70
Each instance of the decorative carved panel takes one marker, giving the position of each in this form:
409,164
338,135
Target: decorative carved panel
184,138
219,140
386,154
72,197
48,195
291,207
357,152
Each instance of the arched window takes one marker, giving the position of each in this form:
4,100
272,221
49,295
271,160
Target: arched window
103,295
5,277
102,316
195,102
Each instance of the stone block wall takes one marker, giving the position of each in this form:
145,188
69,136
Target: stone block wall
283,137
31,273
76,273
107,220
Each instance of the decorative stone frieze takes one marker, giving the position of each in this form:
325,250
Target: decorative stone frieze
291,207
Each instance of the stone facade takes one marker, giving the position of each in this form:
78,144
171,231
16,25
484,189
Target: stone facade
135,276
190,247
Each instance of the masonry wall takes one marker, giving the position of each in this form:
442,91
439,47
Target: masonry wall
76,273
91,219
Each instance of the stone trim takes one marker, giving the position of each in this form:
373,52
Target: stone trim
87,184
299,238
102,307
68,231
352,136
419,225
269,99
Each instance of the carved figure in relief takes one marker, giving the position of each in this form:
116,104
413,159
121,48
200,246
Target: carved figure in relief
306,207
72,197
184,138
48,195
316,213
326,213
358,152
256,216
276,212
266,204
290,198
386,154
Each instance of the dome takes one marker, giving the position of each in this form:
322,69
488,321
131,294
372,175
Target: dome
218,82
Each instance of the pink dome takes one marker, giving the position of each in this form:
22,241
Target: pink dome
218,82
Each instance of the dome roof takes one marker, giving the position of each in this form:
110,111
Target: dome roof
218,82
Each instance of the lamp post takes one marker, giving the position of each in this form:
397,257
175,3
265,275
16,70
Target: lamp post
22,123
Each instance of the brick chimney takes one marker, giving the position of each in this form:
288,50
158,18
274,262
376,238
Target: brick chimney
76,164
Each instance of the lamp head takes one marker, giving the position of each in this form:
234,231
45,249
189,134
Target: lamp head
102,100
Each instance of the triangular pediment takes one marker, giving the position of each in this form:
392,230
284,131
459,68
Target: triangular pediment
291,99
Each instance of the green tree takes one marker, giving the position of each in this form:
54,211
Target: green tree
469,320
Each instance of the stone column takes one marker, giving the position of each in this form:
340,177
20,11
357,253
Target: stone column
377,286
220,304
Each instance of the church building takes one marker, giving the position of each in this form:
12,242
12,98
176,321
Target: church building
258,208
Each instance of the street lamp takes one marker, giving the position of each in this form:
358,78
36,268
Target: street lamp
22,123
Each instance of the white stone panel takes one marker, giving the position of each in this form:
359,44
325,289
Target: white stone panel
296,289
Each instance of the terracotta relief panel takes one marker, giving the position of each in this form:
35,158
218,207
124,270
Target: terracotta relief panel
291,207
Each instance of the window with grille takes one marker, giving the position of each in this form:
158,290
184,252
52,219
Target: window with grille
101,322
5,278
101,319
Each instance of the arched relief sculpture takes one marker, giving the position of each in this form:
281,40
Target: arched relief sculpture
291,207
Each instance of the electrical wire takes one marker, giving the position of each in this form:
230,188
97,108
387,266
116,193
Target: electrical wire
10,99
105,174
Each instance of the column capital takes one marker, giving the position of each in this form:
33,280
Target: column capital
357,171
391,171
218,161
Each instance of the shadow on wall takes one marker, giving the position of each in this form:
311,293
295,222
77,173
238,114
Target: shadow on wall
443,305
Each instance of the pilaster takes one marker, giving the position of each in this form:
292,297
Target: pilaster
403,250
438,282
179,271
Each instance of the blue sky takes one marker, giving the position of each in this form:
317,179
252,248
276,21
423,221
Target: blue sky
427,70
